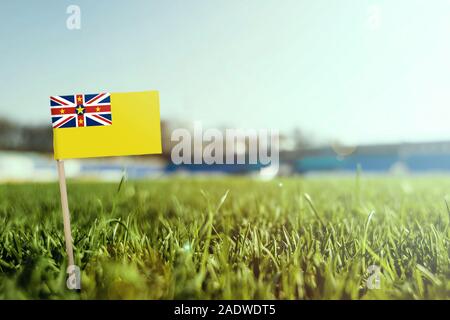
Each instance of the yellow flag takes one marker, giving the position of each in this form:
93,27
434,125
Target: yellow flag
106,124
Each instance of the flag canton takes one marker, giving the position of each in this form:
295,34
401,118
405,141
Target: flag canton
81,110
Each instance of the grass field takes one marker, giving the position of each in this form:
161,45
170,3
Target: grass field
230,238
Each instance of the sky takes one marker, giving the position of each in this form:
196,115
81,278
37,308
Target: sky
349,70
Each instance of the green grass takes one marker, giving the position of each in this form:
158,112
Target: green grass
229,238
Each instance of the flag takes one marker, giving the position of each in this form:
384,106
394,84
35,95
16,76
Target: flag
105,124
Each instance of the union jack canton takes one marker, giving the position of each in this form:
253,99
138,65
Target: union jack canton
81,110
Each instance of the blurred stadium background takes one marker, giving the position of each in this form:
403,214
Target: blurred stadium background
26,154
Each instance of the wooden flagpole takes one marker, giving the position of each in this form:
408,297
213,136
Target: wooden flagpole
65,211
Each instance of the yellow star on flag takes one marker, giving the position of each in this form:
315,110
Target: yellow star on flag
80,110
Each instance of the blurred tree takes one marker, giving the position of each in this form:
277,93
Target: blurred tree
10,135
37,138
301,139
14,136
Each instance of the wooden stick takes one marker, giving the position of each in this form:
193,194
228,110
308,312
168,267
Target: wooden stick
65,211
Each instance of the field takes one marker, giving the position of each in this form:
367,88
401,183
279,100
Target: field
230,238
